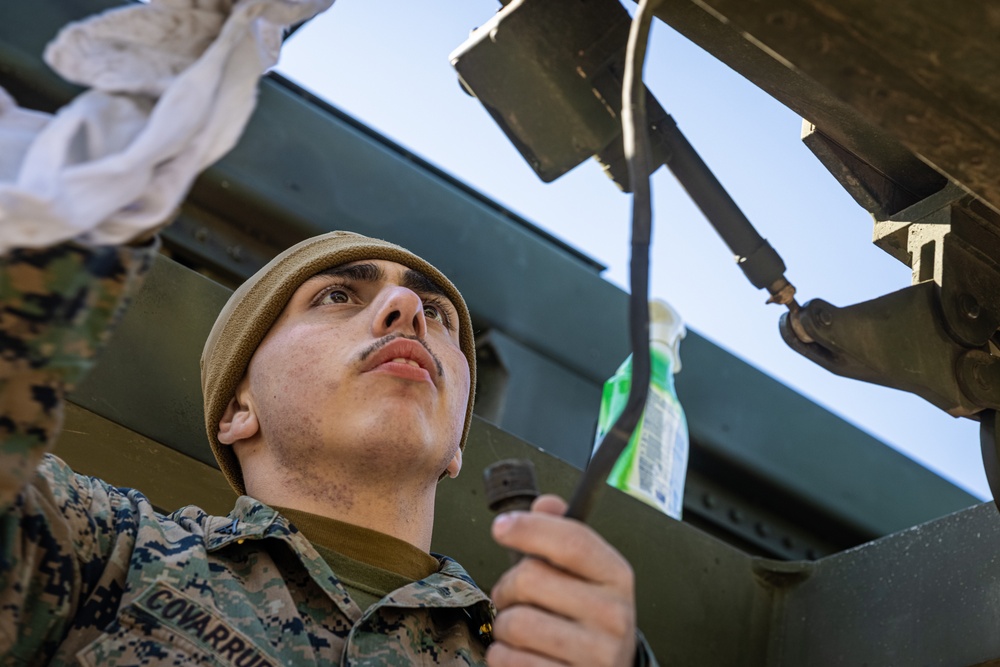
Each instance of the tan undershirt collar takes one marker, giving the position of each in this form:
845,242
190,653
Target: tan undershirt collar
362,544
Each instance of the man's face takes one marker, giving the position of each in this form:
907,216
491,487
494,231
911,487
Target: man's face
363,367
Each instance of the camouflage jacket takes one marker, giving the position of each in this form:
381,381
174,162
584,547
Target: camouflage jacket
92,574
127,586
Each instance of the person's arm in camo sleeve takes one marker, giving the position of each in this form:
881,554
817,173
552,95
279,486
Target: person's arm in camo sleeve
57,308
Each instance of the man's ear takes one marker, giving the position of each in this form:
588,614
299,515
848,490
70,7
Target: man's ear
455,466
239,421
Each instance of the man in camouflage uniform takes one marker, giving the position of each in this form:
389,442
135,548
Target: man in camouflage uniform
338,387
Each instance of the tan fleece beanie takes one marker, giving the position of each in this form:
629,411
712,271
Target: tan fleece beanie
253,308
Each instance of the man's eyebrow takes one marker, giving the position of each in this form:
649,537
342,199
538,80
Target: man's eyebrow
367,273
421,284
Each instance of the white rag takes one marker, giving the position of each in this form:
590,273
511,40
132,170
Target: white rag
172,85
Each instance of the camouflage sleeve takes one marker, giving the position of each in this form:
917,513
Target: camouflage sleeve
57,308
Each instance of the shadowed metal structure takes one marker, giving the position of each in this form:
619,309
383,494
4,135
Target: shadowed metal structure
774,563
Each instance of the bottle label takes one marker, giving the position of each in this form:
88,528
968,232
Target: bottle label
654,464
660,465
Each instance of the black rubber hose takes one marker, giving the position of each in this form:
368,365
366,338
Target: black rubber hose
637,155
759,261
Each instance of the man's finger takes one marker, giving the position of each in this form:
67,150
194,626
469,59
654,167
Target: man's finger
535,631
565,543
550,504
502,655
535,582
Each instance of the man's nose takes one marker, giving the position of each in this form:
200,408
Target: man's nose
400,310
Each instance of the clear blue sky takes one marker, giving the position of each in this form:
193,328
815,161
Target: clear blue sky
386,63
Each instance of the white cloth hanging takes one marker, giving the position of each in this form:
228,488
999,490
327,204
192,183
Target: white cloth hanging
172,85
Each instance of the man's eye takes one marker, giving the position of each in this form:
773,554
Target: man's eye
336,296
433,312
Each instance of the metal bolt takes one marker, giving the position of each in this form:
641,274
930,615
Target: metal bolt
510,485
236,252
201,234
709,501
735,515
762,529
969,306
824,316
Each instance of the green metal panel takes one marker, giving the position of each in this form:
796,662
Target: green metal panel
747,418
535,387
149,379
929,595
686,581
93,445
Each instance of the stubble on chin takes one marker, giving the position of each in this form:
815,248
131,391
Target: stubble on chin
302,461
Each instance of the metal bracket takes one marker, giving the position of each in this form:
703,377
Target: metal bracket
897,340
934,338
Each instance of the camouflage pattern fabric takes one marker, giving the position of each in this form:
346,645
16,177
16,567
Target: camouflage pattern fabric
91,574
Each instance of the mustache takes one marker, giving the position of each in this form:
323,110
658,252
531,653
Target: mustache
382,342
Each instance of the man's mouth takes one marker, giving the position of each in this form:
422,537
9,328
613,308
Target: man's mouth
404,357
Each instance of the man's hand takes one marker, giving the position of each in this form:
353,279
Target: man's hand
572,602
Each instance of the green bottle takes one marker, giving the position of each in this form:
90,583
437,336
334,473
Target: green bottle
654,464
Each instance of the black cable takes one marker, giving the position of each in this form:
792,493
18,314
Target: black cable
635,136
